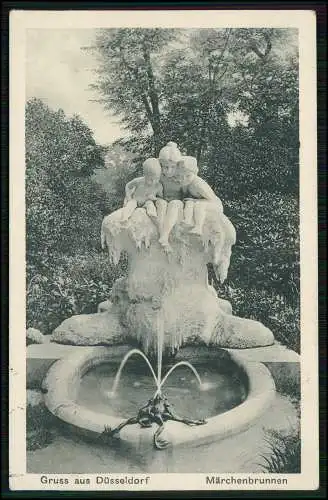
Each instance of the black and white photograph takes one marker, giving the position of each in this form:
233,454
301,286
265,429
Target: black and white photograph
163,330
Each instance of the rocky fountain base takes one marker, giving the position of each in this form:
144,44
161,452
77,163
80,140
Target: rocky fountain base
165,294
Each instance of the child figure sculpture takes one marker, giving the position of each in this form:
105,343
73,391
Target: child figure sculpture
143,191
196,194
198,197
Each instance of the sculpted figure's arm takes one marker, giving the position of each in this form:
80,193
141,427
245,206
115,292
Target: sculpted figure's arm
130,189
160,192
201,190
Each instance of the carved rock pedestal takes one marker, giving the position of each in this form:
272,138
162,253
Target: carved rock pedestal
166,295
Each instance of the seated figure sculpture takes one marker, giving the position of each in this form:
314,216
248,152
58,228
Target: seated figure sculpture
198,198
186,194
169,208
197,194
143,191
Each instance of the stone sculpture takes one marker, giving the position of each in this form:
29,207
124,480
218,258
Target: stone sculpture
166,289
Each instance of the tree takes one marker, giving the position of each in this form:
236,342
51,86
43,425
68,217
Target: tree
120,168
265,152
128,76
63,206
184,85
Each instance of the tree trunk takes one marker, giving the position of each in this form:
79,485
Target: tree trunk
154,100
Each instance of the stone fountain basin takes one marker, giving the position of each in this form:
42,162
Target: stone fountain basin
63,380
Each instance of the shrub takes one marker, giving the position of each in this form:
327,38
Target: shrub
287,380
68,285
120,167
64,207
263,279
266,253
40,426
269,308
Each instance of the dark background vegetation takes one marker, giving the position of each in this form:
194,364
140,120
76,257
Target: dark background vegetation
227,96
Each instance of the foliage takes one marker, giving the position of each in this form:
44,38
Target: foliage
266,253
128,75
263,279
40,431
227,96
66,274
64,208
288,381
120,167
61,286
270,309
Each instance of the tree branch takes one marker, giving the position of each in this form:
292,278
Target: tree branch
143,95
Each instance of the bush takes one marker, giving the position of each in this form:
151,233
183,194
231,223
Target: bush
40,425
284,454
120,168
267,250
263,279
64,207
269,308
287,380
66,285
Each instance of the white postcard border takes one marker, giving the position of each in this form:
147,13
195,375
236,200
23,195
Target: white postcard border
305,22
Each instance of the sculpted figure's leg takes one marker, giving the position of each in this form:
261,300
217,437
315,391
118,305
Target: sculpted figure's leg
109,432
188,213
199,215
159,442
161,206
128,210
150,209
171,415
170,220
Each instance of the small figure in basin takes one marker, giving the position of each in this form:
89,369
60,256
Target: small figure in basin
144,191
158,411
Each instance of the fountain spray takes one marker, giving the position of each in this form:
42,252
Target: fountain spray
157,410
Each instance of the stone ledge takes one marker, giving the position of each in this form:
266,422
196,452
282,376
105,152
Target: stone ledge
275,353
41,356
52,351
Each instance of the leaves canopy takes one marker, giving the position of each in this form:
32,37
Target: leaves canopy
62,203
227,96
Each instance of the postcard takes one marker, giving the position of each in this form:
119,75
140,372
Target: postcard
163,250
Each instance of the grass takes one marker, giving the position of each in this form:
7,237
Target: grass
284,446
40,429
284,455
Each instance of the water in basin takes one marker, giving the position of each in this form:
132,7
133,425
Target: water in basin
219,392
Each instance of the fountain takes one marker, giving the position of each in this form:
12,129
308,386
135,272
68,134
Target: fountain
158,409
163,304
